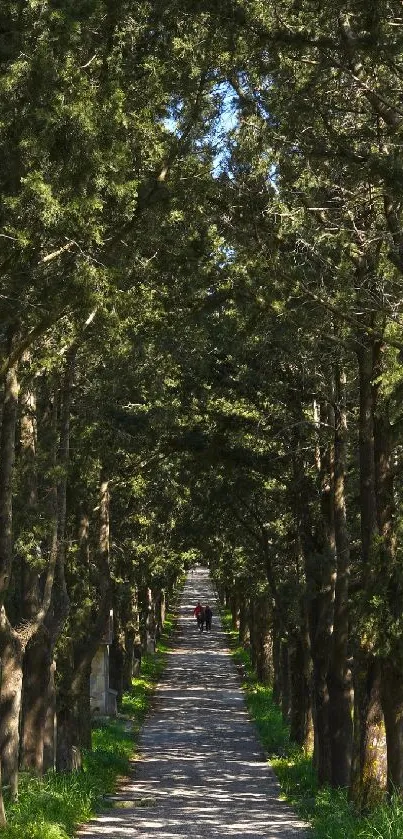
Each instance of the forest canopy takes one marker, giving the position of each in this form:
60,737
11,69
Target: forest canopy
201,349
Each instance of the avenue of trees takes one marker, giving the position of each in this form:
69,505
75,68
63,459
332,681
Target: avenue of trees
201,355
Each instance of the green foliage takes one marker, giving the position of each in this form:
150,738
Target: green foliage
212,278
51,808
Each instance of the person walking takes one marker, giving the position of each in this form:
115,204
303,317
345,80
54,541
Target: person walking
199,615
208,616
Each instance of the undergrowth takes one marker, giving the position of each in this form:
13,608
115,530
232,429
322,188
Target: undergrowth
52,807
328,811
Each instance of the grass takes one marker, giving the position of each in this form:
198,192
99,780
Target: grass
52,807
327,810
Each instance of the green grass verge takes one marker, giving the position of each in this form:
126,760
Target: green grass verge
328,811
52,807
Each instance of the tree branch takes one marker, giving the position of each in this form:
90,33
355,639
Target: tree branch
360,327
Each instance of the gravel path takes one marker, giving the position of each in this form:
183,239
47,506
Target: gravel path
202,772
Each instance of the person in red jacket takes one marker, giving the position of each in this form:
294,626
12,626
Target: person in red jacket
199,615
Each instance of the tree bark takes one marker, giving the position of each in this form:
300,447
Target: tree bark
392,707
263,639
389,581
368,511
49,736
11,649
133,641
315,529
322,621
319,552
339,678
285,682
368,772
35,698
11,654
7,458
3,820
234,607
252,630
147,619
276,660
300,694
73,698
38,658
119,656
14,642
243,632
159,600
368,724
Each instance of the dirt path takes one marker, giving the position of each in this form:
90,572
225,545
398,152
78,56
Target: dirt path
202,772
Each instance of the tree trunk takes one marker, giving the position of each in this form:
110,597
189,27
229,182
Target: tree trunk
80,692
318,548
65,740
234,607
389,573
392,706
285,682
339,679
322,757
31,756
150,623
368,771
37,656
300,694
126,645
368,725
159,600
368,511
263,639
276,660
11,654
322,613
243,622
73,705
3,820
137,656
133,641
147,619
13,643
49,738
36,672
60,603
317,545
252,630
118,656
7,458
11,649
73,699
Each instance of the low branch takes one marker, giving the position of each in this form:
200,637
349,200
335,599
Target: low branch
50,256
390,115
35,333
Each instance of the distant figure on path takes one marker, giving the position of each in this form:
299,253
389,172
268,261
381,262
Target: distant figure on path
199,615
208,616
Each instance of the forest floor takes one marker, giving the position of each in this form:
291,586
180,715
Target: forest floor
201,770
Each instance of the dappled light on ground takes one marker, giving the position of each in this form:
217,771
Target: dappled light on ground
202,772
